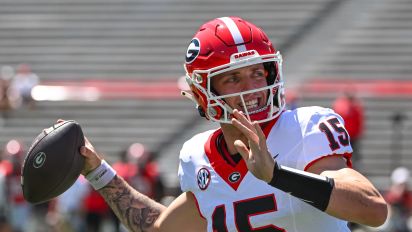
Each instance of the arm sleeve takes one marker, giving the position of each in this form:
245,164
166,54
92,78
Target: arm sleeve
324,135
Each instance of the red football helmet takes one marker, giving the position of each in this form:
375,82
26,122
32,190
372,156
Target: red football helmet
225,44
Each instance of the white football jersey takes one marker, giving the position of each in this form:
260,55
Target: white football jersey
231,199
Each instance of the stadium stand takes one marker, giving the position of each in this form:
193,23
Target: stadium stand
112,125
73,39
373,53
82,41
78,43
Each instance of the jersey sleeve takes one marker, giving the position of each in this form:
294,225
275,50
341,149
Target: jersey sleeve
324,135
191,158
186,170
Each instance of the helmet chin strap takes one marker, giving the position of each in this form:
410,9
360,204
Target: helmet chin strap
188,96
228,108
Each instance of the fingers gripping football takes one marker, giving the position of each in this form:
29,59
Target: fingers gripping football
92,159
258,159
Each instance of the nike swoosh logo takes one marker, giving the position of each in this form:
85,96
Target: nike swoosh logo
307,201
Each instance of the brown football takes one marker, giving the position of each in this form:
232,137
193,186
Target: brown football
53,163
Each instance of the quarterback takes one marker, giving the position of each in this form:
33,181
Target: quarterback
266,168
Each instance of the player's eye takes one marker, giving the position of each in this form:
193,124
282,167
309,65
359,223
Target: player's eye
259,73
231,79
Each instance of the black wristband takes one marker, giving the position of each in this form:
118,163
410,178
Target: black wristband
310,188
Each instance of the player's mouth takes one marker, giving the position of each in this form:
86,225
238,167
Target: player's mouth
253,106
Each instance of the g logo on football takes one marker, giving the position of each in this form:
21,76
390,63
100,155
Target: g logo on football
203,178
193,50
39,160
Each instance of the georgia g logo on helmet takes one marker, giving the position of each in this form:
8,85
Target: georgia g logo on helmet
193,50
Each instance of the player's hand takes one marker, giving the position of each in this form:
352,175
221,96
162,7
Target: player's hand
92,159
258,159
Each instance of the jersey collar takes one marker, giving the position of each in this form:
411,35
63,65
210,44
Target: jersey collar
231,174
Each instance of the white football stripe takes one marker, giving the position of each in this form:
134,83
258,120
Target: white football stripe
234,30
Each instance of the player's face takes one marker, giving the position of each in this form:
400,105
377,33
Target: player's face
241,80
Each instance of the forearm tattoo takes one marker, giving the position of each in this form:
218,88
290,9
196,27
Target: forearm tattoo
136,211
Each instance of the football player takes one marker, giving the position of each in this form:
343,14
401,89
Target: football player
266,168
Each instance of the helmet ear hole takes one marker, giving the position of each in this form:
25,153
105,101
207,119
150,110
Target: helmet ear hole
272,72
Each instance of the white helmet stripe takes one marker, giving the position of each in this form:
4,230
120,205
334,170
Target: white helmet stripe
234,31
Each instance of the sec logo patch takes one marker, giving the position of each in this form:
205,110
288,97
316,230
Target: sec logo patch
203,178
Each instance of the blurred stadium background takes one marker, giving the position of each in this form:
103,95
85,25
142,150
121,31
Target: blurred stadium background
114,66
